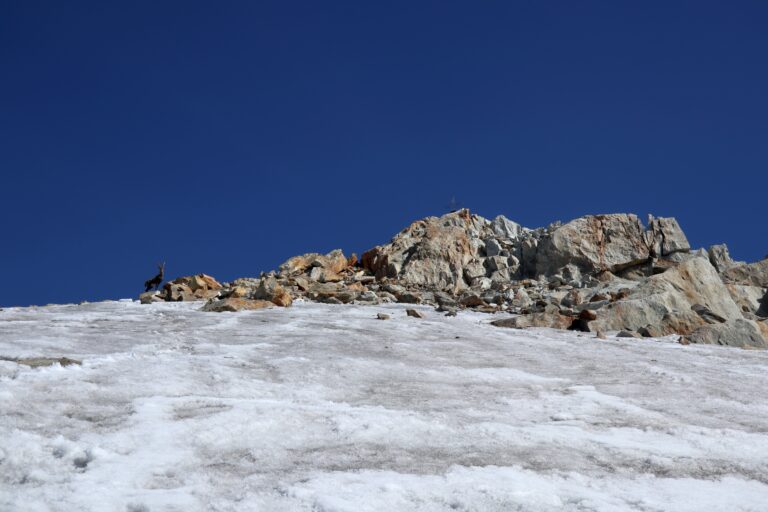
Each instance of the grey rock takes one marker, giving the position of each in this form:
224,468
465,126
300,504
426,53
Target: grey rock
482,284
386,297
735,333
650,331
572,275
522,299
345,296
750,299
368,296
751,274
443,308
409,297
497,263
444,299
665,237
594,243
394,289
492,247
427,297
720,257
474,270
665,301
267,288
550,317
529,249
493,297
431,252
232,304
505,228
38,362
513,264
572,298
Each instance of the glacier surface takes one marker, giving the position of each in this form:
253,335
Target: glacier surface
325,408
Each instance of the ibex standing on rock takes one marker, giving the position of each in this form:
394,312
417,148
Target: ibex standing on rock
156,281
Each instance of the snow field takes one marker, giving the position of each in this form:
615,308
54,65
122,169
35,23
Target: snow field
324,408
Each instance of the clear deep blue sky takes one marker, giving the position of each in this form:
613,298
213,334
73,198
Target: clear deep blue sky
224,137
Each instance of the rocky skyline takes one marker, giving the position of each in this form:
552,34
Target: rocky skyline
597,273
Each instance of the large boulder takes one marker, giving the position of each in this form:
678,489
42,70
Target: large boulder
735,333
270,289
550,317
431,252
594,243
679,300
664,237
333,293
605,243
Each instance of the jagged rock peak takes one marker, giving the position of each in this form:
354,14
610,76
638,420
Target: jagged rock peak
460,250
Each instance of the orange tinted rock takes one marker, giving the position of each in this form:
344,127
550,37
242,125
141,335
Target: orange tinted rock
233,304
282,298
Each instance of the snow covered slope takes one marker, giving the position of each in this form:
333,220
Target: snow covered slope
325,408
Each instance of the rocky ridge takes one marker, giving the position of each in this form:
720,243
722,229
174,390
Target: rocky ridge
596,273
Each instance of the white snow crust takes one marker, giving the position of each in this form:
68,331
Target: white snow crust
325,408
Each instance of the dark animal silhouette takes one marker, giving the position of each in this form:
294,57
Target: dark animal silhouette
156,281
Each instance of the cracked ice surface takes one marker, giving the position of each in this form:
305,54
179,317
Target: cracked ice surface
325,408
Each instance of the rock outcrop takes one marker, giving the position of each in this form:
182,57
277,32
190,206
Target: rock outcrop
596,273
672,302
751,274
188,288
736,333
594,243
432,252
612,243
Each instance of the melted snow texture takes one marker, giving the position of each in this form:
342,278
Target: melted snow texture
325,408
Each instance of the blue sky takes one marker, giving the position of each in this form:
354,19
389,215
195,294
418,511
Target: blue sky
225,137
